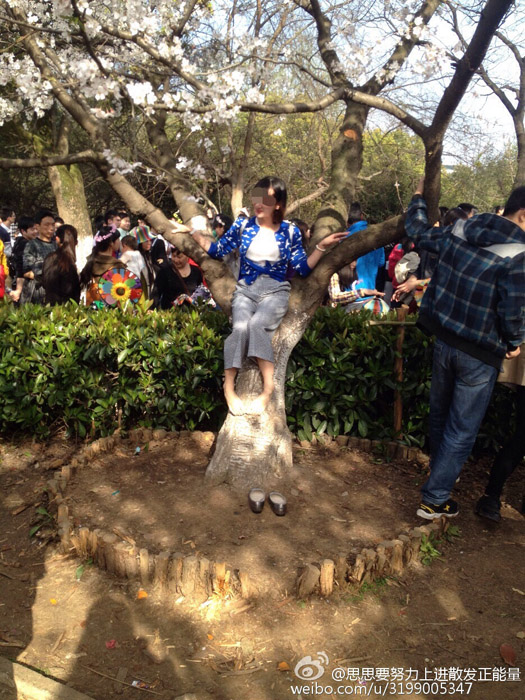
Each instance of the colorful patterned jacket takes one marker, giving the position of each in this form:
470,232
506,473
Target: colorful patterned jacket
288,238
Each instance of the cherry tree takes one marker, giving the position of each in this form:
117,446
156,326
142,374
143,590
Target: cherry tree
200,65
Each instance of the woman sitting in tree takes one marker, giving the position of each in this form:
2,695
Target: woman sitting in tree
267,245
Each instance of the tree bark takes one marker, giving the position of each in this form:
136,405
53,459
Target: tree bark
519,127
347,159
68,187
256,450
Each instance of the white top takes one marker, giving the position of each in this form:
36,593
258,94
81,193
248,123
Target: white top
134,261
263,247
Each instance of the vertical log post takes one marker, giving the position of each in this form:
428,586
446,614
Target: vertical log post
326,579
189,573
162,562
175,572
109,552
398,373
144,566
219,577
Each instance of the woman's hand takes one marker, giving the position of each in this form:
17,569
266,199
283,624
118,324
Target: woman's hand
405,287
332,239
179,228
371,293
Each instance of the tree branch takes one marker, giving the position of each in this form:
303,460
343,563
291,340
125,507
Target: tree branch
381,103
81,157
307,198
491,17
294,107
324,42
403,48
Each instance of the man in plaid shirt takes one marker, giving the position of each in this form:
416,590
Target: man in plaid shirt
475,306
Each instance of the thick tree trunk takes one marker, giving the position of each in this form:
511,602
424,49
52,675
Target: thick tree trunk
433,155
68,187
237,195
239,168
256,450
347,159
520,138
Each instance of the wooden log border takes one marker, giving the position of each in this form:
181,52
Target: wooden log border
198,577
389,558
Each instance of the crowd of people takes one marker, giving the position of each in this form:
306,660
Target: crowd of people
466,273
38,261
382,279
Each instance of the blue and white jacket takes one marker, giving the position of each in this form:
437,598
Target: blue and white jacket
289,242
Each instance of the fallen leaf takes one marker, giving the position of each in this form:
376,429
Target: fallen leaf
141,594
210,636
111,644
53,601
520,635
508,654
517,590
283,666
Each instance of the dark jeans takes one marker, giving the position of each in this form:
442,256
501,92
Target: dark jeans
459,396
511,453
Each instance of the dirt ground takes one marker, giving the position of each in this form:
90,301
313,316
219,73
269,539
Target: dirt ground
79,625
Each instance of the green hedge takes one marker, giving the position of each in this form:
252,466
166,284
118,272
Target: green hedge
82,371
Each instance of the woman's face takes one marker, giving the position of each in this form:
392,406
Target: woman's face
264,203
146,245
178,259
219,230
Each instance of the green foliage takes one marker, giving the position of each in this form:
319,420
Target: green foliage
75,369
389,158
453,533
81,371
428,551
340,378
376,587
487,182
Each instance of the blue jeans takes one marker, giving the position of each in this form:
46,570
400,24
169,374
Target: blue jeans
459,395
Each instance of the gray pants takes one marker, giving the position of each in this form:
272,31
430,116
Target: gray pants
257,311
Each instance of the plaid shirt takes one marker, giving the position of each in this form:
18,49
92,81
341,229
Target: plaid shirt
476,298
287,237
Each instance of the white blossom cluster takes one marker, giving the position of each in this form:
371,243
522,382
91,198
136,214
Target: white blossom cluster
118,164
208,72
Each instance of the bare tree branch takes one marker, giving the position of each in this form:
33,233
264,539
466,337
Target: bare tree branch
81,157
